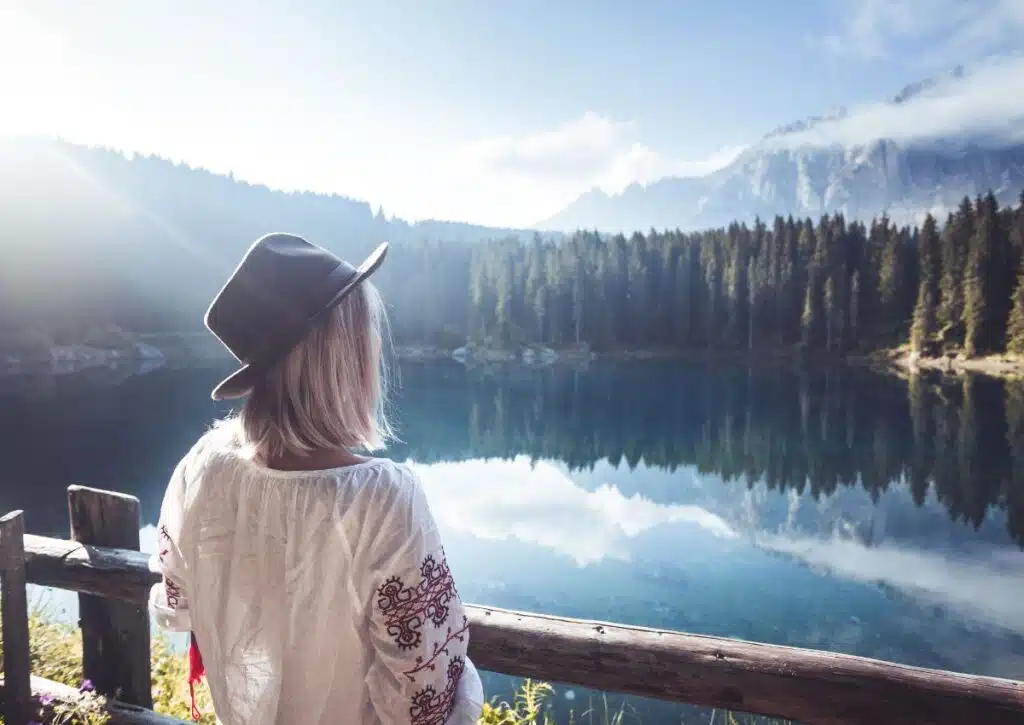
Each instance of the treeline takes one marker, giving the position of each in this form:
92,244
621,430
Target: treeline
832,285
145,245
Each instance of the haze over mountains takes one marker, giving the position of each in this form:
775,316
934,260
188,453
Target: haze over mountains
941,138
92,233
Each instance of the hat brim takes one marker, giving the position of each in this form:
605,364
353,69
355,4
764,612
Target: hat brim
236,385
368,267
240,383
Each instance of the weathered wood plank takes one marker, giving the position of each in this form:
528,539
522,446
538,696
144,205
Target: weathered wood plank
14,610
805,685
809,686
115,634
120,713
113,573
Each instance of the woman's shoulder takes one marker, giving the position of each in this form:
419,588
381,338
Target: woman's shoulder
389,486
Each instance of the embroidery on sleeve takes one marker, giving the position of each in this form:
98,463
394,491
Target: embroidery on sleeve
173,593
430,707
164,537
407,608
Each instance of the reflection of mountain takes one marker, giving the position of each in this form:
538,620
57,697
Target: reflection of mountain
544,538
539,503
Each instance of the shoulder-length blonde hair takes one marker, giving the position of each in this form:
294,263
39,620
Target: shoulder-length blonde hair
330,391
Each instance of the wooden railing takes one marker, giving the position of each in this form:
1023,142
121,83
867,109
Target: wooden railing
103,564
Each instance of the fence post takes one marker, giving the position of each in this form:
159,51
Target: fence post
14,606
115,634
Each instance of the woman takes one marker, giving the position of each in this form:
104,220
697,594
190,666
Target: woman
313,579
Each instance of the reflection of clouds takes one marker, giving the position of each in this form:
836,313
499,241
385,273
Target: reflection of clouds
988,588
538,503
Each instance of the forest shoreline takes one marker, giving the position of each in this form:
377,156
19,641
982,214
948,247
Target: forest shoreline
904,361
186,348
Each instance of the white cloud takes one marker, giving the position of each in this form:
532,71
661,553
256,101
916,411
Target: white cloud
541,504
989,100
989,589
541,172
592,150
871,28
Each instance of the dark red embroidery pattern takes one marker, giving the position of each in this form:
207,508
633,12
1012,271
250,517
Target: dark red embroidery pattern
439,648
430,707
407,608
173,592
164,536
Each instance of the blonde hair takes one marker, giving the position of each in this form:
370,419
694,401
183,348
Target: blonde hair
331,390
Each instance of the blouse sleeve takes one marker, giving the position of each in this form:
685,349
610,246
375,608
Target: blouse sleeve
417,624
168,599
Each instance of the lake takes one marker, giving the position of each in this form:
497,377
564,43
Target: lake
835,509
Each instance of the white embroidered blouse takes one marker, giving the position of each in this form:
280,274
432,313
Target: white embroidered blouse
313,596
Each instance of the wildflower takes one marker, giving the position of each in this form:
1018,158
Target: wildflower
46,700
86,686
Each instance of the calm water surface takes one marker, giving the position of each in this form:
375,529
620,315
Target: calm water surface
829,509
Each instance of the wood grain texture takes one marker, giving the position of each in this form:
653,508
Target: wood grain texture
809,686
113,573
115,634
818,688
14,610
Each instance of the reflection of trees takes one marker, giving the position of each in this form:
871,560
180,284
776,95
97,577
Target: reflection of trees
817,430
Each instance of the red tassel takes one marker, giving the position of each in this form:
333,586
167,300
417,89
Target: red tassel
196,672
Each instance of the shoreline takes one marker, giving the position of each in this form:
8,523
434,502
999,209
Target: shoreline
154,351
902,361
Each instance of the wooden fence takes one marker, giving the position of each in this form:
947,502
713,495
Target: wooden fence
103,564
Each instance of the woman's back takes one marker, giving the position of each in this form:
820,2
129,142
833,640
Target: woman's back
315,596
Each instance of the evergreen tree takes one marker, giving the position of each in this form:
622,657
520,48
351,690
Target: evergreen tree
954,242
1015,327
979,333
925,311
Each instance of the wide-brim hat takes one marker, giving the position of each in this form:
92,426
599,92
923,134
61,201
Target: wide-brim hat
283,287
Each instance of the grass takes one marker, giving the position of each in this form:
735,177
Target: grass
55,653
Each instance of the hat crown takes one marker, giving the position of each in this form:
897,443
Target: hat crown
273,293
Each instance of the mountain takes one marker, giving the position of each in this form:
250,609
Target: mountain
93,234
792,171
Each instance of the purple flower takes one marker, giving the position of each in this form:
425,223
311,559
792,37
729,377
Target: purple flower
86,686
46,700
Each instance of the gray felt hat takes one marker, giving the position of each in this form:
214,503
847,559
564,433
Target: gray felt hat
280,290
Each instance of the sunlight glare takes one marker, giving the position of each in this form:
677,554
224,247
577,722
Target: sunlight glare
34,76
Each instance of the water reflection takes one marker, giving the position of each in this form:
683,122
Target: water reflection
834,509
540,503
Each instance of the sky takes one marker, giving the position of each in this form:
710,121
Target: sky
491,112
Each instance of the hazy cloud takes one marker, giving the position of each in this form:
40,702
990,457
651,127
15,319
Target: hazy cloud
871,28
989,99
541,504
591,151
987,589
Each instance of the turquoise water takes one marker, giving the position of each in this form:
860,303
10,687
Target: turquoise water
836,510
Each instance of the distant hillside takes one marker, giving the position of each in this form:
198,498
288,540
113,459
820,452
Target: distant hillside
785,174
88,233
